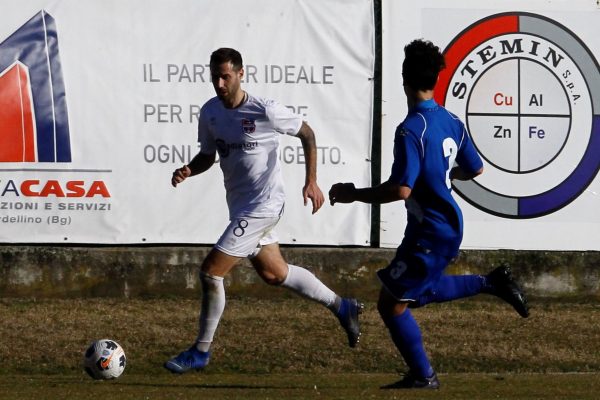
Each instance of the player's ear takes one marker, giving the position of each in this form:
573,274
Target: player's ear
241,72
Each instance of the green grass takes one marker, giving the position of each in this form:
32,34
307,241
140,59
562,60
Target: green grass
283,348
297,386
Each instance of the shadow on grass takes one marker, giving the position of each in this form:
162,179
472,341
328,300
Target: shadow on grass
208,386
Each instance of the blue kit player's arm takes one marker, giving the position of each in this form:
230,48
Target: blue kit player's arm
469,164
405,170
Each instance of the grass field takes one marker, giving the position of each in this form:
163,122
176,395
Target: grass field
283,386
293,349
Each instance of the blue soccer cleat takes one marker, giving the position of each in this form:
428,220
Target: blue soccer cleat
191,359
348,317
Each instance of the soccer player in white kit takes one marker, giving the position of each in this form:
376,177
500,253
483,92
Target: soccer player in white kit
245,131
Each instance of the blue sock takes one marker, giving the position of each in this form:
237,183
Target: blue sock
406,335
452,287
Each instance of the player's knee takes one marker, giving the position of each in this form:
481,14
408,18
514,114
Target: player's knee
271,278
274,281
270,271
210,282
388,307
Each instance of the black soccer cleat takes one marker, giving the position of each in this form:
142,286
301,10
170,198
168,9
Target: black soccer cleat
348,317
410,382
504,286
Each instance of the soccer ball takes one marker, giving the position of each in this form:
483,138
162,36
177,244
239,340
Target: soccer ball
104,359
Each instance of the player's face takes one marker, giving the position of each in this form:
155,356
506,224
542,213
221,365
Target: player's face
226,81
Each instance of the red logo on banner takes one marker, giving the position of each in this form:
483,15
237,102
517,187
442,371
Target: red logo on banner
34,124
17,142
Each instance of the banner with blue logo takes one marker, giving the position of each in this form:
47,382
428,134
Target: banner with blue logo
99,101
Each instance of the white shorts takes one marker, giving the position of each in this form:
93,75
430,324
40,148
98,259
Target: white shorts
245,236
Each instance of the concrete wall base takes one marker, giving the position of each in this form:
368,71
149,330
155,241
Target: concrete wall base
135,272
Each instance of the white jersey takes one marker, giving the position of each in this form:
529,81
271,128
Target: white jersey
247,140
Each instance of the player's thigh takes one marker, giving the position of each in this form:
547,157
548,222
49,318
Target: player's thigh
270,264
218,263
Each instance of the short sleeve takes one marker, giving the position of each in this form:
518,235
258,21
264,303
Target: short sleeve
407,158
205,138
282,119
467,156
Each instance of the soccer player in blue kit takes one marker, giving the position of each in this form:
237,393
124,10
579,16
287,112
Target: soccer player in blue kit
245,130
427,145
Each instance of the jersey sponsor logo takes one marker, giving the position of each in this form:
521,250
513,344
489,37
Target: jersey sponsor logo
528,90
33,117
225,148
248,125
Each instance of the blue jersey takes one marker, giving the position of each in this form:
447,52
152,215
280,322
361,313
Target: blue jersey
426,145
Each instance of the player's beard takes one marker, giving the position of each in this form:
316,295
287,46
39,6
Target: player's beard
222,96
228,97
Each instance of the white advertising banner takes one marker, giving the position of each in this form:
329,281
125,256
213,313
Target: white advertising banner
99,102
524,77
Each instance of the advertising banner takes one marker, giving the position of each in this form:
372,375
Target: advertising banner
525,79
99,102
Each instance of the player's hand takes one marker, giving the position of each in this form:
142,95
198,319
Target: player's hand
342,193
313,192
180,174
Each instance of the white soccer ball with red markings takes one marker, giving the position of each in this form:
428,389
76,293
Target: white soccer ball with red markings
104,359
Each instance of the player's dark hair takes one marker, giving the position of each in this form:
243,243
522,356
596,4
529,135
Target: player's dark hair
224,55
422,64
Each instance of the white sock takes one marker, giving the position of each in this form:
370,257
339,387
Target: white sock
213,304
303,282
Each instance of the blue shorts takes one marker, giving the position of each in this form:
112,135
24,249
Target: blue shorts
413,271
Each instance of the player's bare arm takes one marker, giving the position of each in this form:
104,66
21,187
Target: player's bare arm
200,163
460,174
386,192
310,190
